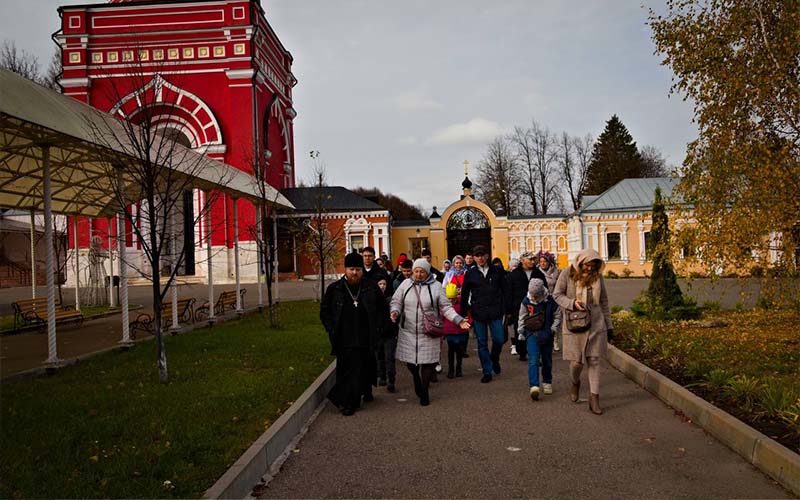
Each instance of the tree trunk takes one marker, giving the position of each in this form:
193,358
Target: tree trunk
155,265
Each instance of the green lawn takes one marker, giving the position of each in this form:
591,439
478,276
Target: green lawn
107,428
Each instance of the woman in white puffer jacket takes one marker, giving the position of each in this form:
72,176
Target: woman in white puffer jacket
419,351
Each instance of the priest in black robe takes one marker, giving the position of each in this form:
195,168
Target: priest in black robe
351,314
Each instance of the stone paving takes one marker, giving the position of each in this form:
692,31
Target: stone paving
491,441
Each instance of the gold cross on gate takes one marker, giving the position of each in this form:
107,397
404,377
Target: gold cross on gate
466,166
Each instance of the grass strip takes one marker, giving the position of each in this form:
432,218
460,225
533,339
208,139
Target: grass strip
107,427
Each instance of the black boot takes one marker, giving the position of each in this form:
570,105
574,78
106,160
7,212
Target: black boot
451,355
414,369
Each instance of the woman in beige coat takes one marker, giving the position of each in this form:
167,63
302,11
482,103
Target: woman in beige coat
579,288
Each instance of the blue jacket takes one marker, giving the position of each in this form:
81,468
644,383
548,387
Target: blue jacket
550,309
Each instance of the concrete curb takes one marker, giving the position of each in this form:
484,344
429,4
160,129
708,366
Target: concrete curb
774,459
239,480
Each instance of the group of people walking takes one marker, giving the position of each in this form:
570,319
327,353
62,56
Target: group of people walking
376,317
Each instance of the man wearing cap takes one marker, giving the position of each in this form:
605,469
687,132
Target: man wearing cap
518,280
350,313
485,292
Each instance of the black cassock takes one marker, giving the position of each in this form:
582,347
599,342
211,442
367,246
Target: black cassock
355,361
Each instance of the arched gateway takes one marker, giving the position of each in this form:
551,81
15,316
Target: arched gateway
466,228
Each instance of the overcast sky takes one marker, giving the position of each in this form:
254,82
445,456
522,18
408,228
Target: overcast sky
396,95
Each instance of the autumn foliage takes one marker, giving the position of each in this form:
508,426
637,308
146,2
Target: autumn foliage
738,61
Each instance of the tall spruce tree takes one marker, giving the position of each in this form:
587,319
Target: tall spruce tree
663,292
614,157
663,299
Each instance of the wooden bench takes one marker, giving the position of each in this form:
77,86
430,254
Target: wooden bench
145,322
34,312
225,302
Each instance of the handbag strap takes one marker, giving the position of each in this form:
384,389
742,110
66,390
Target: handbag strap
419,298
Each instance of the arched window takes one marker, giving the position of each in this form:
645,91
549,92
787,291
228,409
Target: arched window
468,218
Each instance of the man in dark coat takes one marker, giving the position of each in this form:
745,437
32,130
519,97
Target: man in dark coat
351,314
485,292
375,273
518,283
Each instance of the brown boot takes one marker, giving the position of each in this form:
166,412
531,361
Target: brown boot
574,392
594,404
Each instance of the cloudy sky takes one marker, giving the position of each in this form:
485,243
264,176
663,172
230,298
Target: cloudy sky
396,95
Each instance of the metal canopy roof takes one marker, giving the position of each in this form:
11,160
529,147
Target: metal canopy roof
81,141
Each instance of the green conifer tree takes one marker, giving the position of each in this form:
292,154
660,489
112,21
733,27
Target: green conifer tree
614,157
663,293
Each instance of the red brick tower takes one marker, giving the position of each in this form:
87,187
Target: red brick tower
219,61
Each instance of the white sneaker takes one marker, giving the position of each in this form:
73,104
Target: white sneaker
513,350
556,346
535,393
548,388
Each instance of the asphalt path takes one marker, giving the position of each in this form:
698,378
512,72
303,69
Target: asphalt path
491,441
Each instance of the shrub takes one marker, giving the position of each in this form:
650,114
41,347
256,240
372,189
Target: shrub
774,399
642,306
616,309
739,306
757,271
711,305
744,390
626,273
611,274
718,379
696,275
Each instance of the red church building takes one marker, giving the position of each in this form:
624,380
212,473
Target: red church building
228,78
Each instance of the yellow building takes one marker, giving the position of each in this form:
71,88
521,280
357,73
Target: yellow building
616,224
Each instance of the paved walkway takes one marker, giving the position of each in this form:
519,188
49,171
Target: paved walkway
28,350
491,441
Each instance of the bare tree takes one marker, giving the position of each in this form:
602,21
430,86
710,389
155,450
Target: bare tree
575,178
522,142
319,239
19,61
157,172
499,177
654,163
54,70
545,152
262,231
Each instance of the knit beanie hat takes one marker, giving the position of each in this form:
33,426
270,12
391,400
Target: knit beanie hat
353,260
423,264
536,288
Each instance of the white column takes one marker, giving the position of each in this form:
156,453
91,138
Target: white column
236,254
112,299
260,245
173,287
33,254
210,266
642,254
52,349
603,242
77,265
123,274
624,243
274,284
123,279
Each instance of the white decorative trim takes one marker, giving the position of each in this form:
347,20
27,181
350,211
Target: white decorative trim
239,73
74,82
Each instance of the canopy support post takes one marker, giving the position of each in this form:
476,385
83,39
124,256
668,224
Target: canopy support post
77,264
236,255
211,318
52,347
123,275
33,254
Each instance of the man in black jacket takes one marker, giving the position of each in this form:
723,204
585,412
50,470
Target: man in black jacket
485,292
518,283
351,314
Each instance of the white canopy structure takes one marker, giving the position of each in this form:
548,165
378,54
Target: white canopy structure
55,154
